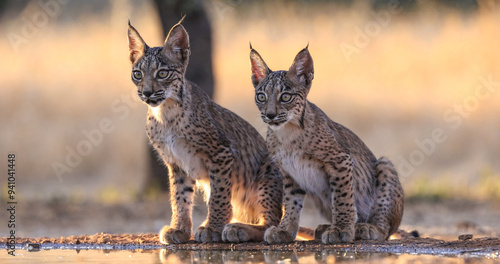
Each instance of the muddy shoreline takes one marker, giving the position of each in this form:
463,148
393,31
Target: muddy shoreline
480,247
133,227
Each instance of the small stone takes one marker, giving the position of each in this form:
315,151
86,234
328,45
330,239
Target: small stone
415,233
465,237
33,247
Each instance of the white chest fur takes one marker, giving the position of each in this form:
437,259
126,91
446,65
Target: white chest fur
175,149
305,171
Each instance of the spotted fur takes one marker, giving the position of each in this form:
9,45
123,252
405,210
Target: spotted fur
360,196
206,144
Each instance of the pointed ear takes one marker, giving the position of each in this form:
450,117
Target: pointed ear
136,45
302,69
259,67
176,44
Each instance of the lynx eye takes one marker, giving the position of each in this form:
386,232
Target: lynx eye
261,97
286,97
162,74
137,75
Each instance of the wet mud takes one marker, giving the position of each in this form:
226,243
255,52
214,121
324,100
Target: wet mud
480,247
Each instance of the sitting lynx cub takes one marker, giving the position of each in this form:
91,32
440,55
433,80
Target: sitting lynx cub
202,142
360,195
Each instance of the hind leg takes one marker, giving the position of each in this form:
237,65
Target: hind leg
388,208
269,204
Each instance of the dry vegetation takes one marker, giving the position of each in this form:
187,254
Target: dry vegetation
70,76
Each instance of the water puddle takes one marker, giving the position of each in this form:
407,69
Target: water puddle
223,256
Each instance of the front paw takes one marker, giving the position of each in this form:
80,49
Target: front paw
170,235
334,235
367,231
275,235
239,233
319,231
206,234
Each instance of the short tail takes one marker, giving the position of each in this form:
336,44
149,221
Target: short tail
403,234
305,233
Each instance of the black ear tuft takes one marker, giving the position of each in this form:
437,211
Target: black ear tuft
259,67
302,69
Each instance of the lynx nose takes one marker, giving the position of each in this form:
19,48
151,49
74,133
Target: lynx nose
271,116
147,93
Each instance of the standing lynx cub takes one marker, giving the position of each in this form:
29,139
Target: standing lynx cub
202,142
360,195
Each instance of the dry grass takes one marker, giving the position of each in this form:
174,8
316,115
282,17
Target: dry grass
393,92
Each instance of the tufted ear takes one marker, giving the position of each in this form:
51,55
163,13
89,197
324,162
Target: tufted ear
136,45
302,69
259,67
176,45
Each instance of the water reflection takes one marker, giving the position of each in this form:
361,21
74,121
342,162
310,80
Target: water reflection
172,256
323,257
227,257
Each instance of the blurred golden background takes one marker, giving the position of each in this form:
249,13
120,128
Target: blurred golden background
420,86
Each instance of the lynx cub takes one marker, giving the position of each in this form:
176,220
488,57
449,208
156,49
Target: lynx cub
202,142
360,195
